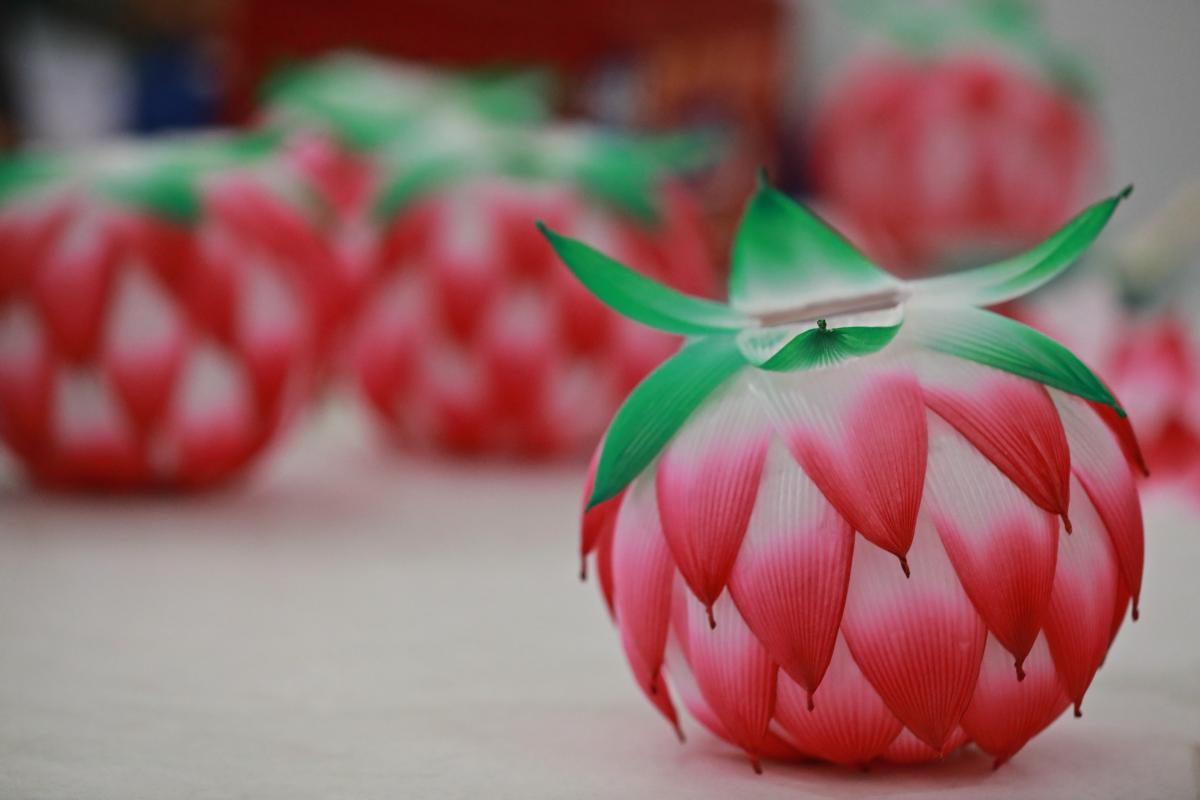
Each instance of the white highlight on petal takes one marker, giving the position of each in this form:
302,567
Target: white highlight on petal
85,409
212,389
142,318
269,312
22,342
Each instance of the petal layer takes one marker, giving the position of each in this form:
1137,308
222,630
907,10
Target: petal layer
918,640
790,578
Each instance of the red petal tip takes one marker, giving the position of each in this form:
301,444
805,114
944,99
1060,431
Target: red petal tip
1078,710
754,762
1066,522
811,706
1020,670
712,621
904,566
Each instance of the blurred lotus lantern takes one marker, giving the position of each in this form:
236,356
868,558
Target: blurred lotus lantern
857,517
344,114
472,340
155,309
970,133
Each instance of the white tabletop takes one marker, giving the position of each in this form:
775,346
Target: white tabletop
351,624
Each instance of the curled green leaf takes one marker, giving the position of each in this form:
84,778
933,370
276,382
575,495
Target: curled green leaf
784,256
1021,274
640,298
820,346
658,408
1005,344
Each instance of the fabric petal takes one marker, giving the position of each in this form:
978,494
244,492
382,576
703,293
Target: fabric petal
860,435
1010,420
1079,618
707,480
1002,546
918,640
732,669
597,521
774,744
1100,465
848,723
790,578
643,578
1006,713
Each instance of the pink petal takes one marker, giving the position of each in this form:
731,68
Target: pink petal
642,572
860,435
774,744
707,480
71,289
848,724
735,675
789,580
1100,465
918,640
144,344
1079,618
599,520
1006,713
907,748
1002,546
1010,420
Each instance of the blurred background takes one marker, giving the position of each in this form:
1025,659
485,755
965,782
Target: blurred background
228,225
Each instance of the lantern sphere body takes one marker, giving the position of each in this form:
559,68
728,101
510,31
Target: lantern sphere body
858,518
155,326
954,155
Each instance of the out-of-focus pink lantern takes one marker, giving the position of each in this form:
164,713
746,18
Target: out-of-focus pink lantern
347,115
472,340
858,517
970,146
155,309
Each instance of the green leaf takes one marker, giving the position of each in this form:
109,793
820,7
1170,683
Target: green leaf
1005,344
625,171
1019,275
659,406
508,95
639,297
417,180
20,173
784,255
821,346
168,193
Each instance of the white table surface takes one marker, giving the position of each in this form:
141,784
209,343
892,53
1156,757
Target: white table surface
353,624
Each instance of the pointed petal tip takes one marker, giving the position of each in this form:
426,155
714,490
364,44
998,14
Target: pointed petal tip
1078,709
712,621
757,765
904,566
1134,613
1126,192
1020,665
1066,522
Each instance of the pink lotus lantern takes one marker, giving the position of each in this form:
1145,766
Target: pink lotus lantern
861,518
346,115
957,152
473,341
154,310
